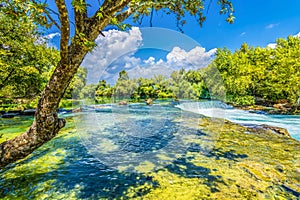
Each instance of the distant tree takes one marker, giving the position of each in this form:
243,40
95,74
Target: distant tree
88,91
124,87
270,74
103,89
123,75
74,90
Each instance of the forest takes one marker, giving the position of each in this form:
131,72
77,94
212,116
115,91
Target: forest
250,75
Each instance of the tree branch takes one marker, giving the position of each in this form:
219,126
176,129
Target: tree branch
65,30
108,10
112,8
51,10
124,15
53,21
80,17
96,23
47,12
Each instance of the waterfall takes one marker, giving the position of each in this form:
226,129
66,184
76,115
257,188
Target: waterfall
219,109
216,109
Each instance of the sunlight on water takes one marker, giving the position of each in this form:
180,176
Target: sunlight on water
221,110
128,136
173,158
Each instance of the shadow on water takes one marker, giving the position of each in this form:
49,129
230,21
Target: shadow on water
141,138
77,170
64,166
217,153
187,169
80,171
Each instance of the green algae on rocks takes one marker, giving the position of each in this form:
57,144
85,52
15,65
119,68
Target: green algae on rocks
241,164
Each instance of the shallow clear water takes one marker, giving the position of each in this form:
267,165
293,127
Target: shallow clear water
151,152
221,110
127,137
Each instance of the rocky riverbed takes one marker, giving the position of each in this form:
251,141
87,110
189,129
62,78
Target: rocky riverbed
221,160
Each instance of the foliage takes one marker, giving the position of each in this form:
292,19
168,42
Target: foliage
74,45
77,84
178,85
246,74
88,91
270,74
124,88
25,59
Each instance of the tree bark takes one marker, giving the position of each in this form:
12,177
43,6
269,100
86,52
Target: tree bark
46,124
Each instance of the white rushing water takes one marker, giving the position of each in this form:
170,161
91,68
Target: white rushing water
221,110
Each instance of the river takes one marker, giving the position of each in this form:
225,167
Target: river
153,152
221,110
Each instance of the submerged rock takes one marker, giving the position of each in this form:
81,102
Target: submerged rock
149,101
274,129
221,160
123,103
264,128
76,110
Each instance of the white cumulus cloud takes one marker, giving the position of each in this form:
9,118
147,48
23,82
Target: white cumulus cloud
48,39
272,45
195,58
115,52
51,36
115,45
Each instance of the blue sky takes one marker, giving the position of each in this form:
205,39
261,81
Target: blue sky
258,22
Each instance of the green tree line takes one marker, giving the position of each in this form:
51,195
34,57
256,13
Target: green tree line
269,74
249,75
179,85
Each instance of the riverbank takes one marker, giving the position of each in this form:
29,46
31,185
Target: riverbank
270,107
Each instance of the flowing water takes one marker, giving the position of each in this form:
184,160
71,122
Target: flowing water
151,152
221,110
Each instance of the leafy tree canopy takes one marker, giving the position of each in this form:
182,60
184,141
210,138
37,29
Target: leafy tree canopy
25,57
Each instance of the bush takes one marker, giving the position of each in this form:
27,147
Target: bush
244,100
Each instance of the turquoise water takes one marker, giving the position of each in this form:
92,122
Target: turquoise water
125,137
221,110
150,152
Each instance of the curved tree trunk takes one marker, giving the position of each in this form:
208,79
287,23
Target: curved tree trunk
46,124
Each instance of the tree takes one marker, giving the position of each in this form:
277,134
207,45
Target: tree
73,48
77,84
25,60
123,75
269,74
